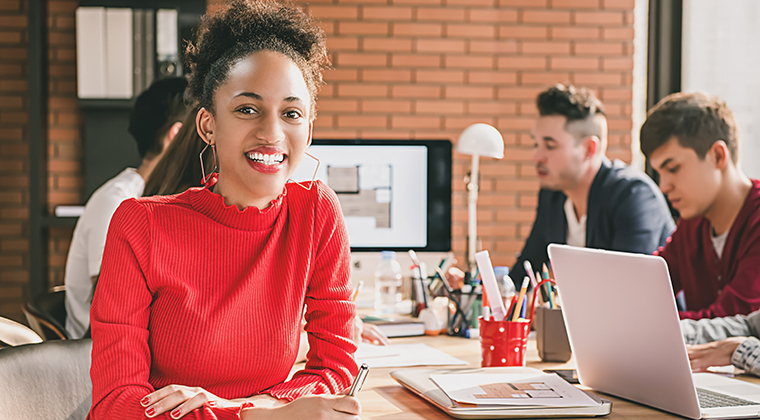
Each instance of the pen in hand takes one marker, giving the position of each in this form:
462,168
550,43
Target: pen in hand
359,381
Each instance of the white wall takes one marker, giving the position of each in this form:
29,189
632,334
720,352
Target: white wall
721,56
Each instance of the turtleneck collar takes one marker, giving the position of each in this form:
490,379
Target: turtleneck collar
212,205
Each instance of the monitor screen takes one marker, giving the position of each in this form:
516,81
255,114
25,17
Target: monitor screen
395,194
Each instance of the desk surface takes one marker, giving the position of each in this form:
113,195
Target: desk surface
383,398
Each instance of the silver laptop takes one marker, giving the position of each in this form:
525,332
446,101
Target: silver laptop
623,327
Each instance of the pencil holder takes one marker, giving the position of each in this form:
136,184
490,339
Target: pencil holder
503,343
551,336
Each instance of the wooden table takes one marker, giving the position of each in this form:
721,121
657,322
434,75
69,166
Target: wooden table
383,398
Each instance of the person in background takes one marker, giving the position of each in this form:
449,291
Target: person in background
585,199
692,142
154,121
724,341
199,304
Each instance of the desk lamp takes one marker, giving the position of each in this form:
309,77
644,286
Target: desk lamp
477,140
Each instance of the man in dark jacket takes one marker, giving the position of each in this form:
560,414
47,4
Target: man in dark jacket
586,199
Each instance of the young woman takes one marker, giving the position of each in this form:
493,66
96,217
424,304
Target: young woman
197,313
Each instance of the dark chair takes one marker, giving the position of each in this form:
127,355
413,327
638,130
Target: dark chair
14,334
47,315
50,380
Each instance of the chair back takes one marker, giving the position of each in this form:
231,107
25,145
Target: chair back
50,380
14,334
46,315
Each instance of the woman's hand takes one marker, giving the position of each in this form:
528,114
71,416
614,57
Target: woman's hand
717,353
180,400
369,333
313,407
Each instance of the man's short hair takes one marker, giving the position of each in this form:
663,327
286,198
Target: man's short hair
155,111
573,104
697,120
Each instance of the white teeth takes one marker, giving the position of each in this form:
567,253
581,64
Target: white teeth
265,158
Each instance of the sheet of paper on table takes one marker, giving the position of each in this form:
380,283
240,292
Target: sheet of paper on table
522,388
403,355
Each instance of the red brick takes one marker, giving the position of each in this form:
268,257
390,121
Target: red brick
414,91
332,12
617,63
415,121
493,15
63,134
574,33
526,3
597,79
424,2
493,47
572,63
599,18
611,94
360,59
598,48
469,92
11,134
58,38
12,53
440,14
439,76
545,47
386,134
362,90
515,215
492,77
11,21
545,16
415,60
7,37
470,31
493,107
528,108
11,70
363,28
446,107
360,121
543,78
515,123
417,29
522,63
13,117
387,44
440,45
10,5
386,106
62,6
469,61
386,75
342,44
575,4
523,32
337,105
518,93
623,34
387,13
619,4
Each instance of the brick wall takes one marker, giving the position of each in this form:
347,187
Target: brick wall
403,69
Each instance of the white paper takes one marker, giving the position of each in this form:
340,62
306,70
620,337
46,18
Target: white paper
403,355
518,389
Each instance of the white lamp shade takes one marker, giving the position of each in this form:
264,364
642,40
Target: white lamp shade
481,139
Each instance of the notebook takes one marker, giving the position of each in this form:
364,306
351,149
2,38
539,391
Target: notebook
419,382
624,332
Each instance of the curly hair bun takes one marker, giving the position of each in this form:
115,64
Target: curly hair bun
243,27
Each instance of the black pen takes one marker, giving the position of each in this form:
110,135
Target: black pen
359,381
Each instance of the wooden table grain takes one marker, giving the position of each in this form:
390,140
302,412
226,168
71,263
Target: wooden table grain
383,398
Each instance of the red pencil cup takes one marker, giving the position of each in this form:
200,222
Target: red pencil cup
503,343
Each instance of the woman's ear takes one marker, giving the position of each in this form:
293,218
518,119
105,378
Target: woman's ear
205,124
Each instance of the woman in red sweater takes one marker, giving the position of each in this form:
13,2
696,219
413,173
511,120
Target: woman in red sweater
198,306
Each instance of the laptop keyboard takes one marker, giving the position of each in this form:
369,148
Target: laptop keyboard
711,399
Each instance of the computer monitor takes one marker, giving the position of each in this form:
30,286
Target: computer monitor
395,194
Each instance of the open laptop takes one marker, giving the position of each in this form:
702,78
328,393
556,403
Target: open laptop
623,327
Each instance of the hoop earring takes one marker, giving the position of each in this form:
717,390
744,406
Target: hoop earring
205,178
313,177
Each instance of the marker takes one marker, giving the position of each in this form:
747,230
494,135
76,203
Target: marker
523,290
529,270
359,381
490,285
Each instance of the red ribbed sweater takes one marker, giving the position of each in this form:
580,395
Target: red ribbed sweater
197,293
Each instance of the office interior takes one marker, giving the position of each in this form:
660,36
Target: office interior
403,70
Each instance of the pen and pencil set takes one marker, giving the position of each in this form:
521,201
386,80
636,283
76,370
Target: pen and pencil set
504,331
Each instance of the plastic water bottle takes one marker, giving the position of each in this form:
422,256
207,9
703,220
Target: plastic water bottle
387,284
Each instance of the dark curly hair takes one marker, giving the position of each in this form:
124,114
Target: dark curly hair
243,27
155,111
574,104
697,120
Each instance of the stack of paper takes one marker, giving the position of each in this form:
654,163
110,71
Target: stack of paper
530,387
400,355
